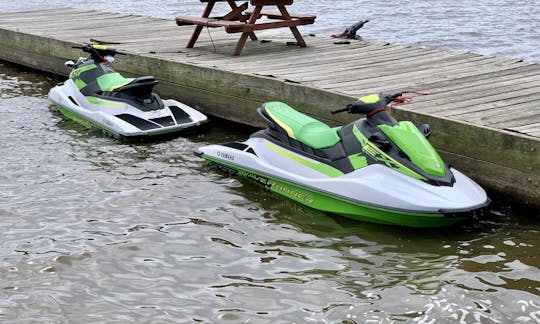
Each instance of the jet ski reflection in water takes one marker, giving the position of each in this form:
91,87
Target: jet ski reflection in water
95,95
374,169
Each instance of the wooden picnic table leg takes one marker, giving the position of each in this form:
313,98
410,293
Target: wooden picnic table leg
243,38
240,44
240,16
198,28
294,30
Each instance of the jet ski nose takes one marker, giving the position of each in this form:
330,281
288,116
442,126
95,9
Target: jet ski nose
463,195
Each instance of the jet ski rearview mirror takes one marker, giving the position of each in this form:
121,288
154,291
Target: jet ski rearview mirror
70,64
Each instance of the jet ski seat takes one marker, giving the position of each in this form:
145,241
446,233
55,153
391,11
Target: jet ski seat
140,87
301,127
111,81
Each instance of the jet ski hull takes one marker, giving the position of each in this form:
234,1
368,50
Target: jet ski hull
120,119
374,194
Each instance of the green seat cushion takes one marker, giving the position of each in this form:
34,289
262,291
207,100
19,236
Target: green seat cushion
302,127
111,81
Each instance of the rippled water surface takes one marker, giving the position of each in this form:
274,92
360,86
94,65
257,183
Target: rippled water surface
95,230
506,28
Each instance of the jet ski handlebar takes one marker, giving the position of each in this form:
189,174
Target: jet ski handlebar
337,111
103,50
369,105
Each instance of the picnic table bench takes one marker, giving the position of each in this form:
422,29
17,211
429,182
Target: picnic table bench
240,20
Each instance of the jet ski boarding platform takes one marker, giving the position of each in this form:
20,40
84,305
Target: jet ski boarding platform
484,111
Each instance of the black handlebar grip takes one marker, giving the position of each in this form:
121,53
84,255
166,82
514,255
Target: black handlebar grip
333,112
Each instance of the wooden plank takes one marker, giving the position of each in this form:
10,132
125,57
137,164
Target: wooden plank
523,121
265,57
40,14
487,107
478,88
95,24
371,58
306,62
519,113
461,81
30,21
207,22
264,60
396,72
107,32
277,15
417,83
482,82
405,78
374,68
526,129
363,62
448,106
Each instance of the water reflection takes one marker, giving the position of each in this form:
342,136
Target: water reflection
380,266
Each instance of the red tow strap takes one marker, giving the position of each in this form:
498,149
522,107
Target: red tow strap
378,110
103,60
400,100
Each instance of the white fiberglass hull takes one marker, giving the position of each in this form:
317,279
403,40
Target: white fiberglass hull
375,186
106,114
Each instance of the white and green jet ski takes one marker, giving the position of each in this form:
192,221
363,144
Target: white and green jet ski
96,95
374,169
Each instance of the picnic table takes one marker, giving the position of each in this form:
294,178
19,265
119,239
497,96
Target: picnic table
241,20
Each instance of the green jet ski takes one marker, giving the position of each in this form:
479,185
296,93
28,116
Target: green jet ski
96,95
374,169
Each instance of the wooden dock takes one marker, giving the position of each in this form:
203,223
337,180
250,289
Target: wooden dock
484,111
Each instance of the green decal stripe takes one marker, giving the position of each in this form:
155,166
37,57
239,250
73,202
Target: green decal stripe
379,155
99,46
83,120
370,99
167,131
358,161
80,83
329,203
320,167
75,73
89,123
97,101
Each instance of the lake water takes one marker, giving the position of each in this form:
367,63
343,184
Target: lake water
99,231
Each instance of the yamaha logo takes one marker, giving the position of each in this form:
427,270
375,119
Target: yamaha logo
225,155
